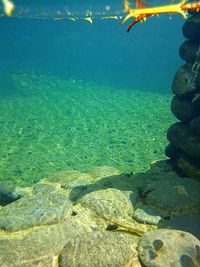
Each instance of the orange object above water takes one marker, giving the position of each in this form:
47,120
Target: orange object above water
141,11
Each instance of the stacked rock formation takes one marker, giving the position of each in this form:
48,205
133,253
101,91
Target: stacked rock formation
184,136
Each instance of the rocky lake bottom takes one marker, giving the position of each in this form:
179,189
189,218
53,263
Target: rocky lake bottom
76,184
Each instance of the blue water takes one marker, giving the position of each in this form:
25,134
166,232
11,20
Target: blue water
103,53
79,95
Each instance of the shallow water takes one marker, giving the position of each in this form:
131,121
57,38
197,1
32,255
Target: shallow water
76,95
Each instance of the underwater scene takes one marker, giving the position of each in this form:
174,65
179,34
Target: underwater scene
79,95
100,133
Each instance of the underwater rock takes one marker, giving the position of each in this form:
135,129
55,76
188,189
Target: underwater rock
189,167
18,253
191,28
64,178
187,51
183,83
181,137
171,151
182,109
173,196
8,192
145,214
43,188
41,245
195,125
163,247
100,249
40,209
160,167
196,104
187,223
104,171
198,80
76,190
111,203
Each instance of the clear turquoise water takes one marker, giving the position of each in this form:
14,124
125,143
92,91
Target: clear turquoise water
76,95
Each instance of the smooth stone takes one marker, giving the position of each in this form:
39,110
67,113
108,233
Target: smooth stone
146,214
195,125
183,84
173,196
41,246
8,192
188,166
191,28
187,51
171,151
182,109
187,223
100,249
36,210
110,202
181,136
167,247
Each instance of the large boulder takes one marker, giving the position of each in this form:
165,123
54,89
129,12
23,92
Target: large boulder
182,137
188,50
110,202
196,102
100,249
195,125
182,108
183,83
36,210
188,166
191,28
173,196
40,246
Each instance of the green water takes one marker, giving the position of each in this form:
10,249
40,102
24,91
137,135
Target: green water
50,124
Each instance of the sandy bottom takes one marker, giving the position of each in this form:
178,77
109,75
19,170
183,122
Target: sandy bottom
49,124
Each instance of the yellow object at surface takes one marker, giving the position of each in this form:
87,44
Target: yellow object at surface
9,7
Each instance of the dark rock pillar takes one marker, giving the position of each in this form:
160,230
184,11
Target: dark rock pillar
184,136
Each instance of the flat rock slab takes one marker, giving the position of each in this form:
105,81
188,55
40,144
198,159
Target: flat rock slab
41,246
100,249
39,209
173,196
22,254
169,248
